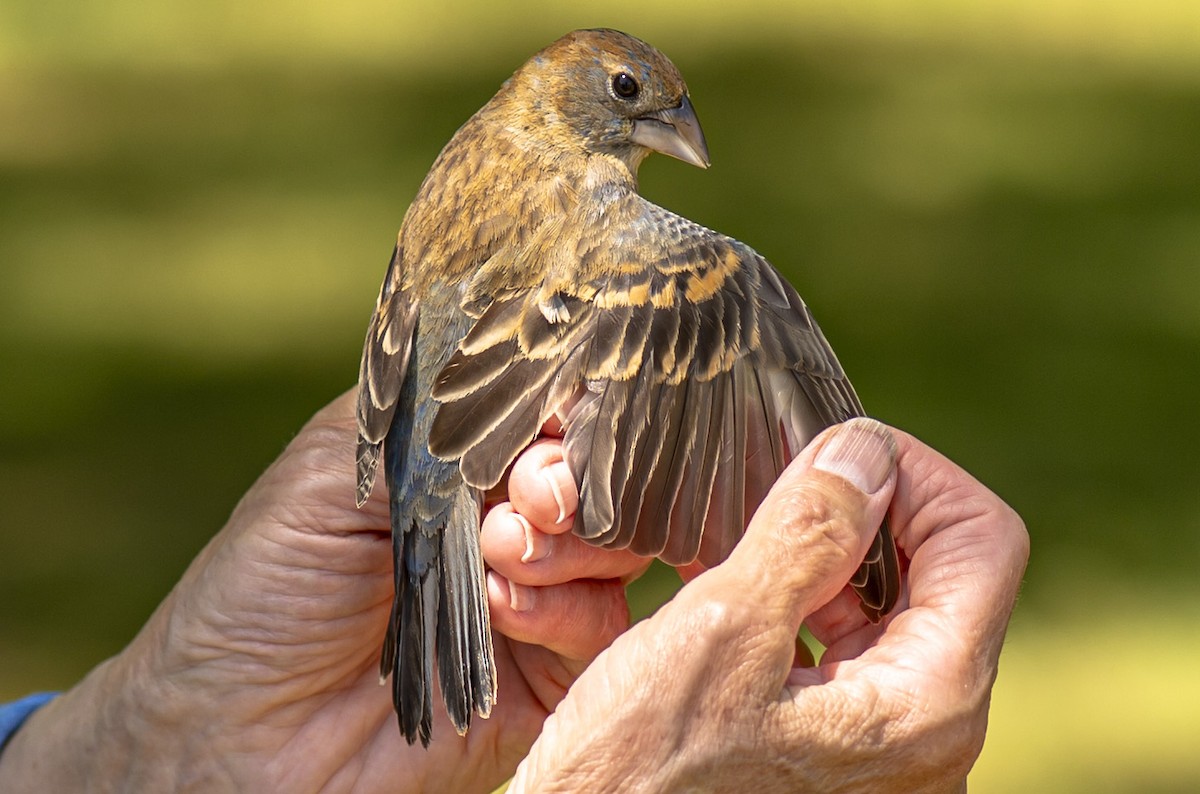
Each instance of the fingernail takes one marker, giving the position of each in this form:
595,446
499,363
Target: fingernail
537,546
520,597
862,451
555,489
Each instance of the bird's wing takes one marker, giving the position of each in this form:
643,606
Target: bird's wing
691,370
384,366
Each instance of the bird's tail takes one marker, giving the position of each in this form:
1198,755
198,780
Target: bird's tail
440,608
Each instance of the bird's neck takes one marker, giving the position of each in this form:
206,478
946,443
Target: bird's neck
533,126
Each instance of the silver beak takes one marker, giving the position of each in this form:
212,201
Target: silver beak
675,132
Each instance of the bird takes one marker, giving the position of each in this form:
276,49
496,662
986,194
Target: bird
529,280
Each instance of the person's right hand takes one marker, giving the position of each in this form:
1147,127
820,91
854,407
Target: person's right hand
704,695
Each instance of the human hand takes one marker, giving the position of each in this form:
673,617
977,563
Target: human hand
705,695
259,672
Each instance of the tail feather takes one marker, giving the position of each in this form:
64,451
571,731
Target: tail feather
408,648
440,608
466,660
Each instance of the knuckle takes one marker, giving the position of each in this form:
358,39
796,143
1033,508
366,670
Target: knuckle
817,526
717,617
899,737
720,627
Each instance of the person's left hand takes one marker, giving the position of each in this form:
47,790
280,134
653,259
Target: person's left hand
259,672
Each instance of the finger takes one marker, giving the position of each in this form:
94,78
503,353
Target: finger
519,551
554,426
967,550
690,571
315,476
813,529
842,627
836,619
541,487
844,630
577,620
553,431
935,663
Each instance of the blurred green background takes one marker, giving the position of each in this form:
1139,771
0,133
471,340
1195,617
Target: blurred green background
992,207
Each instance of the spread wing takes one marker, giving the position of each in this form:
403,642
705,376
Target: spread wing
691,372
385,359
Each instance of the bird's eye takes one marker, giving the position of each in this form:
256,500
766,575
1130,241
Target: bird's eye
624,86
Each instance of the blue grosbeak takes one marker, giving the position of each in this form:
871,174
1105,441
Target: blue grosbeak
530,280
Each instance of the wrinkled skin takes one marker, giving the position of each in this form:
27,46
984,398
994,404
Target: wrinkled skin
709,684
258,672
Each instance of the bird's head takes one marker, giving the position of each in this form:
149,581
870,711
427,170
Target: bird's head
612,94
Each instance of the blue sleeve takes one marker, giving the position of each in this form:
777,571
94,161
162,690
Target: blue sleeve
13,715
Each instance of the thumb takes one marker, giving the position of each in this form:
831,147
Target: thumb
811,532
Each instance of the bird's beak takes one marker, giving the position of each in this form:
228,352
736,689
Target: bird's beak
675,132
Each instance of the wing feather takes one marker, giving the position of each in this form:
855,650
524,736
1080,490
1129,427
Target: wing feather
630,428
675,425
386,353
685,526
596,510
644,457
697,367
463,425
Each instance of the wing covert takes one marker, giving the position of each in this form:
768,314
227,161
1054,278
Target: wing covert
688,366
